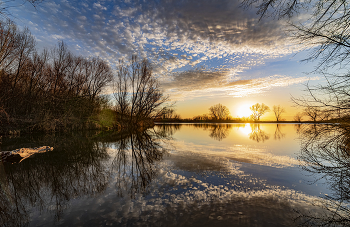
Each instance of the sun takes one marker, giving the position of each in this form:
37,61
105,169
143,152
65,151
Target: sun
244,110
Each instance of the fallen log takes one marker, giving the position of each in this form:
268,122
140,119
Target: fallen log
22,153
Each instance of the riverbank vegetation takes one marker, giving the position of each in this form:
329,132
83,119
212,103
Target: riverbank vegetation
55,90
49,90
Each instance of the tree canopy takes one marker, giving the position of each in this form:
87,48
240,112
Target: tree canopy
258,110
219,112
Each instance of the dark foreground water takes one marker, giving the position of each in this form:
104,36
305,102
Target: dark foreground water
182,175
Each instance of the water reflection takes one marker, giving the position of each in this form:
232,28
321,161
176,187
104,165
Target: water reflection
257,134
134,162
278,132
80,166
217,131
49,182
175,175
167,130
326,154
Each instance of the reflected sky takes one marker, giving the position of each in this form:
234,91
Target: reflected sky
171,175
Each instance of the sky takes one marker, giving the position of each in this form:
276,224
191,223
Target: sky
203,52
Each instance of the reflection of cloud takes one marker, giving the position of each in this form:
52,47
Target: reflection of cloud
241,153
188,201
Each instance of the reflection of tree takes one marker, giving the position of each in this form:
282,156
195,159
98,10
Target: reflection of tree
78,167
135,161
220,131
257,134
53,179
326,154
217,131
167,130
297,128
278,133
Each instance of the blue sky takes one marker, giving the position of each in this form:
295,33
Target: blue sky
203,52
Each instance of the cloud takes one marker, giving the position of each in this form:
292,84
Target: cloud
260,85
165,31
99,6
178,37
196,83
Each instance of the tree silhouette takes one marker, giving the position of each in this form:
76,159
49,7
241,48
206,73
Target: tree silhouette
278,111
312,112
298,117
137,93
53,89
258,110
325,26
219,112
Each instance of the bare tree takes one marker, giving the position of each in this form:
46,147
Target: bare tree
313,112
219,112
325,27
278,111
137,92
49,88
298,117
258,110
6,5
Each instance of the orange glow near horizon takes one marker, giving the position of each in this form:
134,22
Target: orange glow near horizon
244,110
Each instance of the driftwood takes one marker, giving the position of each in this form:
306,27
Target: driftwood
22,153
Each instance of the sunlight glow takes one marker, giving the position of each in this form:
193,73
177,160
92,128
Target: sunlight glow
244,111
246,129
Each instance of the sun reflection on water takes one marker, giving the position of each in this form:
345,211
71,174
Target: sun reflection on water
246,130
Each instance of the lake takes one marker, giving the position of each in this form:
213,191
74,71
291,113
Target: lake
181,175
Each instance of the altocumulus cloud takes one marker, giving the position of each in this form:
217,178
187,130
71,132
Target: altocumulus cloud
175,35
199,83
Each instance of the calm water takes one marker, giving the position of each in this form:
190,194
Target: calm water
181,175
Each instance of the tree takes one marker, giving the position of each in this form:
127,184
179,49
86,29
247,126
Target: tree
298,117
326,26
6,5
326,29
49,89
137,93
278,111
312,112
219,112
258,110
